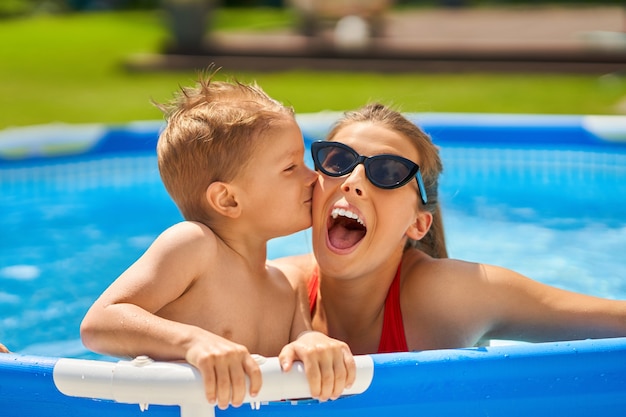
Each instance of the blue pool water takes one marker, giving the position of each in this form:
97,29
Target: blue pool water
70,225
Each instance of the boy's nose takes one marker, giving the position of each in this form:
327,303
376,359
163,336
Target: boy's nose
311,176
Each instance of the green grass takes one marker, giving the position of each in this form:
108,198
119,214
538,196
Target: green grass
70,68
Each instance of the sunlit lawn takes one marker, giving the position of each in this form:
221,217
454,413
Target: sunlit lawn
70,68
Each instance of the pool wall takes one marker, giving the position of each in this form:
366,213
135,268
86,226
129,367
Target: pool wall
579,378
543,131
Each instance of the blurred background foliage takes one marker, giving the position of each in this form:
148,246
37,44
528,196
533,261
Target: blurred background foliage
9,8
64,61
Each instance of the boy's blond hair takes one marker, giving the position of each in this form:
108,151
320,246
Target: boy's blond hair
212,130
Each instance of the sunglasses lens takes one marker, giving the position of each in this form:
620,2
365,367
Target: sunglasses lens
384,171
388,173
334,160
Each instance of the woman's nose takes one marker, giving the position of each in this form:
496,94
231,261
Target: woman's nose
354,182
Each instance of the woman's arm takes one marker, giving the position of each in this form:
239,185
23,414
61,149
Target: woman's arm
448,303
524,309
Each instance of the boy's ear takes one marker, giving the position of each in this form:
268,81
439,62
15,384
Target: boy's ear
222,198
420,226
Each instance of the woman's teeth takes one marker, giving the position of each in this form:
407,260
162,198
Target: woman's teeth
346,213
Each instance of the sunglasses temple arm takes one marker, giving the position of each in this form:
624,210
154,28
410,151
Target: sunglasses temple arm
422,189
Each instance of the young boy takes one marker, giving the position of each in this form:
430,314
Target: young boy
232,159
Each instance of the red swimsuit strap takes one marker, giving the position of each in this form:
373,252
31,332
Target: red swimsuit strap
392,338
312,286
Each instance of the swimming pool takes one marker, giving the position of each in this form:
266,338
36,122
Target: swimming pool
543,195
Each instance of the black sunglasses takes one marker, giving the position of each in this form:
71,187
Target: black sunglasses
384,171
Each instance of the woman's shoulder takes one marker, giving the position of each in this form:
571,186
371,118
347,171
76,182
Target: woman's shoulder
420,267
297,268
302,264
445,302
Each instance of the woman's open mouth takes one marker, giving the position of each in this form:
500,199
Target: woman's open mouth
345,229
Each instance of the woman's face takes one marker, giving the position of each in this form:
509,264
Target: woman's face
356,225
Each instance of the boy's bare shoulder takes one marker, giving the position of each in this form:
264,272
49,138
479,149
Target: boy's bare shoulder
187,233
189,230
186,243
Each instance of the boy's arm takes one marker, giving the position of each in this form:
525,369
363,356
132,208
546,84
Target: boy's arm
328,363
123,321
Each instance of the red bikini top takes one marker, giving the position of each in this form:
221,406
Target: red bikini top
392,338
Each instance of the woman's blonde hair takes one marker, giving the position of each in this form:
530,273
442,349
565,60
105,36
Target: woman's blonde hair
211,132
433,243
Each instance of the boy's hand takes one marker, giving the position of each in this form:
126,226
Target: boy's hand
224,366
328,363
